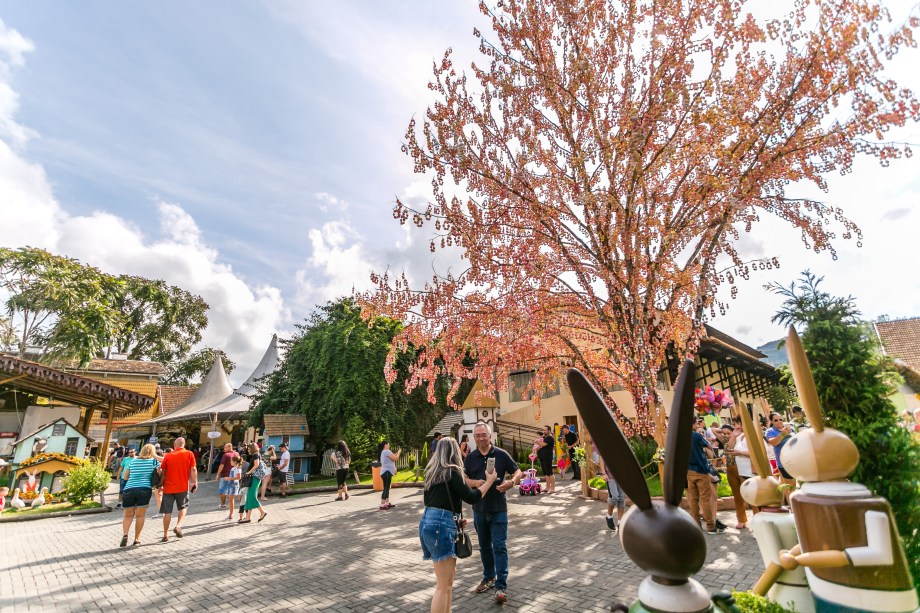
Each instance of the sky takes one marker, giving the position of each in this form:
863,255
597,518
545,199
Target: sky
250,152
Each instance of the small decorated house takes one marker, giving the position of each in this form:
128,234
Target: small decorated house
42,458
293,430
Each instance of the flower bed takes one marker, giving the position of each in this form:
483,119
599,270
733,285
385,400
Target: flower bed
45,457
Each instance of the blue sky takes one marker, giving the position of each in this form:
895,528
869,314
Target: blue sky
250,152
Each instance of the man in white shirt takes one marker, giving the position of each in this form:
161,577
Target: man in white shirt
283,467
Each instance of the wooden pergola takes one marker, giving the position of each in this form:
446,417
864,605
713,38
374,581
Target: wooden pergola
74,390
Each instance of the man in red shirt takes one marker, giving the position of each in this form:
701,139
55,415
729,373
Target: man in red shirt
176,471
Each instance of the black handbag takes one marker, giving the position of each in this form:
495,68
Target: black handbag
155,477
462,545
246,480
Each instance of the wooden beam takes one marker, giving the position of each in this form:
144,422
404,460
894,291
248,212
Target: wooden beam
11,379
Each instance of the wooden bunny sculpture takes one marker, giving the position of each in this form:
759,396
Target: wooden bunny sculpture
850,546
660,537
773,527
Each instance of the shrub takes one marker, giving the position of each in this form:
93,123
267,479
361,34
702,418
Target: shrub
644,447
85,481
752,603
598,483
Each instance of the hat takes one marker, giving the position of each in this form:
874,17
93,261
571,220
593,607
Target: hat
282,445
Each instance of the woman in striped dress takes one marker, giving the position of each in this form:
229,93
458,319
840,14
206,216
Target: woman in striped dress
137,492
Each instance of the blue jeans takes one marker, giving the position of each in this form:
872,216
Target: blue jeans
492,531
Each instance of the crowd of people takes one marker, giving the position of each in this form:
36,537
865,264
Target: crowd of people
480,474
719,448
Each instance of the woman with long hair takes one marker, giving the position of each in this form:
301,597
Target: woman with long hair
269,458
445,488
388,461
137,492
341,457
252,496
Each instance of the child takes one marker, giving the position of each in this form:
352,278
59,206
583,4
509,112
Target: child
236,474
244,466
3,493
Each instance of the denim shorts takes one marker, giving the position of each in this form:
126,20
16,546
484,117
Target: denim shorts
437,531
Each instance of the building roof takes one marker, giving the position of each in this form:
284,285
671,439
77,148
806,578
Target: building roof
479,400
129,367
447,423
22,438
240,400
213,389
172,396
721,338
277,425
901,339
41,380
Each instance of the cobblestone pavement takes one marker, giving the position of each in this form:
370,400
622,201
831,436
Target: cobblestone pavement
314,554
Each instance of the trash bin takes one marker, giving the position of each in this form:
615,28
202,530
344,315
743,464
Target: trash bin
375,472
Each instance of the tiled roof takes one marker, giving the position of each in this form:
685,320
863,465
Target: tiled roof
130,367
172,396
901,339
276,425
453,418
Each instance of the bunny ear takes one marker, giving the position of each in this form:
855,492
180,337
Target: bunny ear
609,439
755,442
804,383
677,445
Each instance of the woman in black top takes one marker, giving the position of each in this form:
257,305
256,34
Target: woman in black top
445,488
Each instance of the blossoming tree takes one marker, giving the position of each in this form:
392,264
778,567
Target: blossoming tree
597,169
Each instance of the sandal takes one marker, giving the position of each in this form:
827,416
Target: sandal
264,515
165,539
244,521
124,541
178,532
135,543
339,498
740,526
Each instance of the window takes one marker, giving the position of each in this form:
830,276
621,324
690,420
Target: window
297,465
286,440
71,448
517,387
59,430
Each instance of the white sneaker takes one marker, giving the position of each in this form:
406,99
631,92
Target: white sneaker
221,506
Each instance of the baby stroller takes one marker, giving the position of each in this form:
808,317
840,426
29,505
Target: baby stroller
530,484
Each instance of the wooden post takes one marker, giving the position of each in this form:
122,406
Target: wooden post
104,449
211,454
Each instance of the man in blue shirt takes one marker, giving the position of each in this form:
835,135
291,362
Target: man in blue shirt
699,485
490,515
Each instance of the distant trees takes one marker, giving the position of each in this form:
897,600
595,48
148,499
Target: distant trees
195,366
76,312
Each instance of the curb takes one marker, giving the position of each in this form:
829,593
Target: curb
14,518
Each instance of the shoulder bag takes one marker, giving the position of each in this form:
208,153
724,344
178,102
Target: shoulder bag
260,471
155,478
462,545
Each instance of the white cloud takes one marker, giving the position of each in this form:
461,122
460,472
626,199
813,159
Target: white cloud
243,315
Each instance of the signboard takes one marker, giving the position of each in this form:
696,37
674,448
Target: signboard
152,439
214,434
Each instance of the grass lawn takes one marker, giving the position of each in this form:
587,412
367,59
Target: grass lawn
51,508
400,477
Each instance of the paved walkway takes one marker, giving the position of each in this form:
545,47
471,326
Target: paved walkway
313,554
